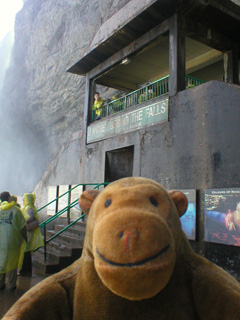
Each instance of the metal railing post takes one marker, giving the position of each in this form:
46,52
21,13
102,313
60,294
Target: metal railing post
45,243
69,200
57,194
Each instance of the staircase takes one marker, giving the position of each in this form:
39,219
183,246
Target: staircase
67,245
61,251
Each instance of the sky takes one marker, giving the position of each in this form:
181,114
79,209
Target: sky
8,10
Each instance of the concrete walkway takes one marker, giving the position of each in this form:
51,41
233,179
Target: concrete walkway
8,298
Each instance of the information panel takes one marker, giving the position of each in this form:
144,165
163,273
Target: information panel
222,216
188,220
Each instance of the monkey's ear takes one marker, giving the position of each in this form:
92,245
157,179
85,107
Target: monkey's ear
180,201
86,199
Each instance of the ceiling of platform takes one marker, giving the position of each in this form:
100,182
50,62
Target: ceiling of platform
152,63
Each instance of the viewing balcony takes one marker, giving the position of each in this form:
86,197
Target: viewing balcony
137,97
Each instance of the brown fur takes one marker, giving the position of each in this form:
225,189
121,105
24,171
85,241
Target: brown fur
136,264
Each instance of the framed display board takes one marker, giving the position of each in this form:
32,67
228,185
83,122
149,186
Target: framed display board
188,220
222,216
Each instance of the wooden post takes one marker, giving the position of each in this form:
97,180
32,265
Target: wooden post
45,242
177,63
87,107
231,65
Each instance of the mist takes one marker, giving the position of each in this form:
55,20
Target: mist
24,154
5,50
24,148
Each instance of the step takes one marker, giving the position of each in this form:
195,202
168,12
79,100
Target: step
54,250
73,242
67,240
50,257
64,220
80,224
62,250
49,267
58,248
54,257
73,231
45,267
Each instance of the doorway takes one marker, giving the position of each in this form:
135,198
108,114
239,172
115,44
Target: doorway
119,164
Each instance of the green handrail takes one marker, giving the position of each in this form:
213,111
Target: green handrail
97,185
64,229
192,82
67,208
139,96
78,185
58,214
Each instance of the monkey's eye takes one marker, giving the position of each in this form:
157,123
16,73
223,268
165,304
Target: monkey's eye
153,201
108,202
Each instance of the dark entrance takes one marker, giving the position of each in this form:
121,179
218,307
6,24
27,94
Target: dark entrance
119,164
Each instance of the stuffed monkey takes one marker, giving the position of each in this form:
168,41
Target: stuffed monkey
136,264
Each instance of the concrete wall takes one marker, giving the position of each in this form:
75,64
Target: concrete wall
198,148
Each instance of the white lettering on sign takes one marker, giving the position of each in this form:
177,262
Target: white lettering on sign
158,109
137,116
130,120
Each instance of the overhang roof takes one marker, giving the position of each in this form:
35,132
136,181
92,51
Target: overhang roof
152,63
139,16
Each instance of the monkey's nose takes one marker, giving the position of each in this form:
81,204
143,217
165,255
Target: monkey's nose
129,238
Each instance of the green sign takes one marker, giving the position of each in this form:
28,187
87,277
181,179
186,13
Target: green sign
128,121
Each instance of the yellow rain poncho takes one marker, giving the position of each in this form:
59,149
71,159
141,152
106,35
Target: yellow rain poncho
14,198
34,237
97,106
11,239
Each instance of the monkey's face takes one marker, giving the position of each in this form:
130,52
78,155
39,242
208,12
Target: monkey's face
133,244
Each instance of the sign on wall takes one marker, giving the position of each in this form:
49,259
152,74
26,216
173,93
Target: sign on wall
222,216
128,121
188,220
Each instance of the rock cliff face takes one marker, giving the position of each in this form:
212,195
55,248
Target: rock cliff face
42,104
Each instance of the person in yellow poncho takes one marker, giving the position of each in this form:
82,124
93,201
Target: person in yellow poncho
12,235
34,236
97,106
14,198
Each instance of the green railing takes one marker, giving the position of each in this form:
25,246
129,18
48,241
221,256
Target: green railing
64,210
149,92
192,82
